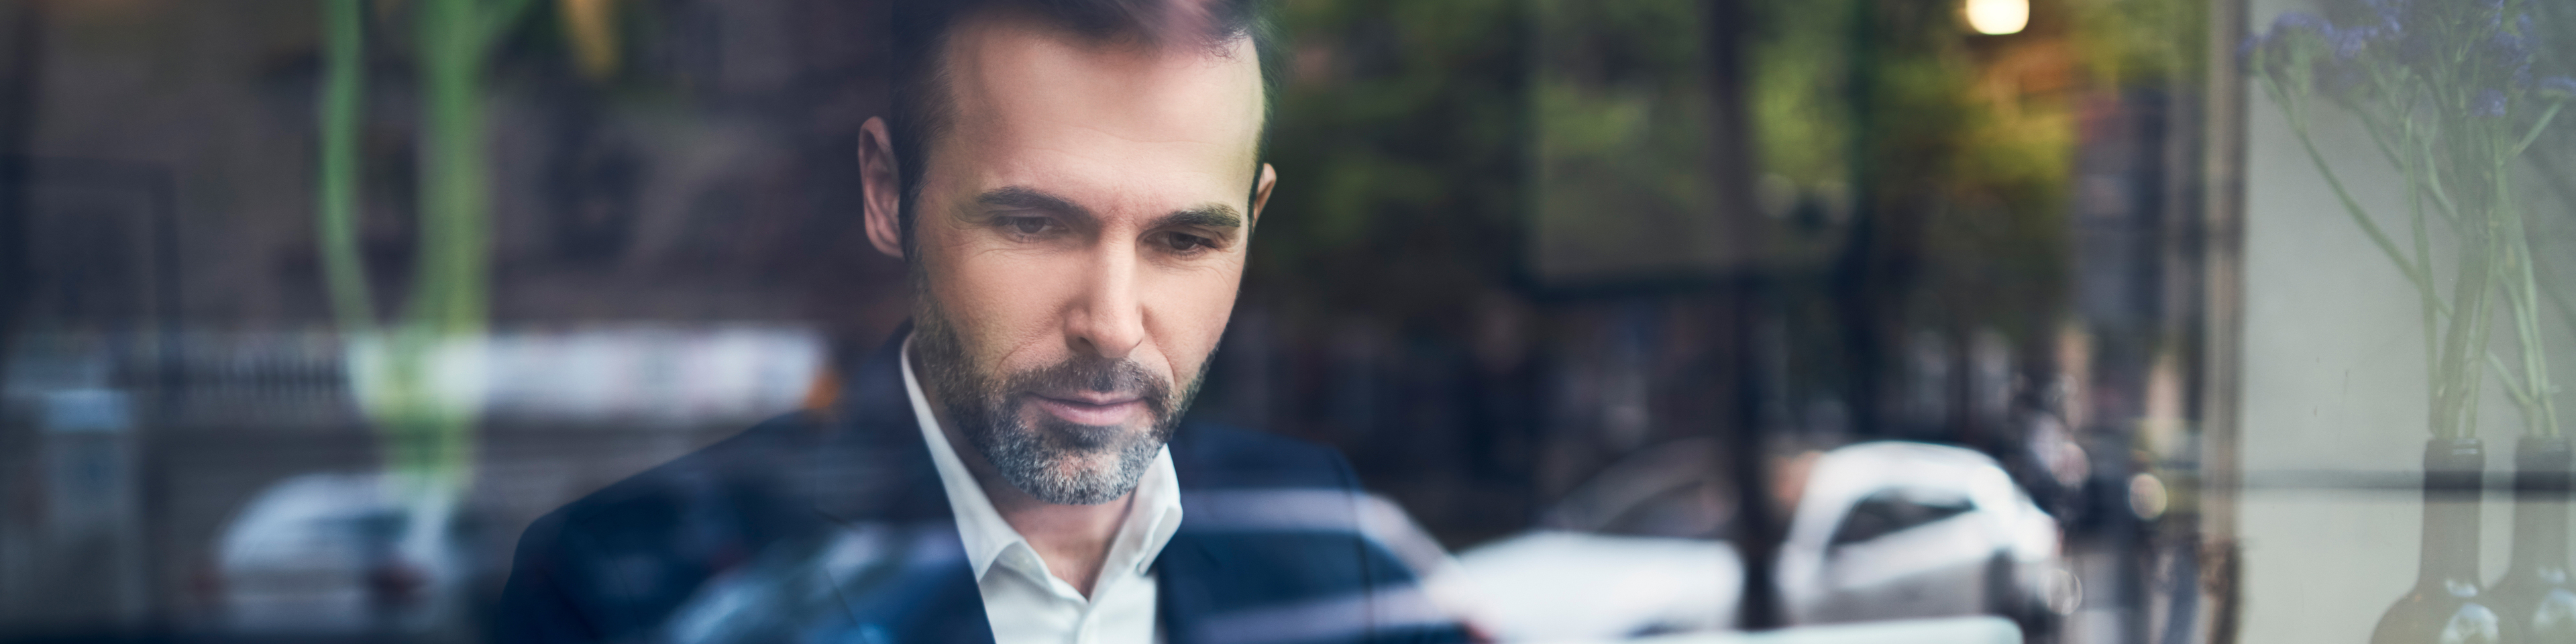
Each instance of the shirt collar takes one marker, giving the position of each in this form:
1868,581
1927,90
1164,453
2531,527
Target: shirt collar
1150,523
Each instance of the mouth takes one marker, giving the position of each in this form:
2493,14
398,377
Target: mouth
1093,409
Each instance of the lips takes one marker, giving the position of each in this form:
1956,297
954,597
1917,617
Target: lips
1092,408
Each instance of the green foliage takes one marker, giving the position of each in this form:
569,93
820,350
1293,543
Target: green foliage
1622,167
1800,103
2140,42
1960,171
1434,148
1398,139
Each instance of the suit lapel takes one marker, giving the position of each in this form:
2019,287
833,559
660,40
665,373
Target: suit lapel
1181,576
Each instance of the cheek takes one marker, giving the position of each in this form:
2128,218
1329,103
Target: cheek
1006,309
1188,315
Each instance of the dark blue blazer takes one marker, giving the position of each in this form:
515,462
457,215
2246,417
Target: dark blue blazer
834,528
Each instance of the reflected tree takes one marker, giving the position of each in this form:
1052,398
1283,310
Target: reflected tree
415,376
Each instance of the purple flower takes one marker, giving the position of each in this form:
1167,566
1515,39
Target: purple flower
2508,49
2506,52
2349,41
2266,52
2490,103
2296,21
2272,48
2306,46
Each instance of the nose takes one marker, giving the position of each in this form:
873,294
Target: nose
1109,321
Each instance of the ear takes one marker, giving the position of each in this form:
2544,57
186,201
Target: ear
1261,191
879,178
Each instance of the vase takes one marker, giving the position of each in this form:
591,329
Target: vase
2534,593
2448,605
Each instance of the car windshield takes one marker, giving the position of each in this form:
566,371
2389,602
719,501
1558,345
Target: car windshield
1894,510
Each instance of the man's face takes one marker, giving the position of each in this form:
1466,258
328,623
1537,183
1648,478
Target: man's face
1080,235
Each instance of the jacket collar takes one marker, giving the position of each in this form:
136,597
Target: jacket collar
875,431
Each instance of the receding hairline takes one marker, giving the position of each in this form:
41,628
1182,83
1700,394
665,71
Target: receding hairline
937,106
1213,41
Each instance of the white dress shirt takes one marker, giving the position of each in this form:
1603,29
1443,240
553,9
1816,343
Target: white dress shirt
1025,603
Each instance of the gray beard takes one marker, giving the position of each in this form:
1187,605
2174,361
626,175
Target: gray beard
1047,459
1042,468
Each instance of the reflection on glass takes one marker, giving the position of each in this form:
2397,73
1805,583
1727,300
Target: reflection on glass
1582,321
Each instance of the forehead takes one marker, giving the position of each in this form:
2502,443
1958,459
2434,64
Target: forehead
1031,100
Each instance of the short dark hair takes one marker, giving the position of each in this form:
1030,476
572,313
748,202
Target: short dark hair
920,107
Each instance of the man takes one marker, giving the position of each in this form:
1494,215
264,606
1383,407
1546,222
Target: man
1074,185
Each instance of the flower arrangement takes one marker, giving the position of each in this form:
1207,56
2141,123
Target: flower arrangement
2451,95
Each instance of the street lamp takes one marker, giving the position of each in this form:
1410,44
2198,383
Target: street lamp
1997,17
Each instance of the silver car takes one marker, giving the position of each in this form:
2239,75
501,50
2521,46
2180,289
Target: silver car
1880,531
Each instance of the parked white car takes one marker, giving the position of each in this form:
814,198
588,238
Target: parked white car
1882,530
1892,530
329,553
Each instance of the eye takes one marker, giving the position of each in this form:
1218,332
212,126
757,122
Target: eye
1031,226
1187,243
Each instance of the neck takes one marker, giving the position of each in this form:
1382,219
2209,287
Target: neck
1073,540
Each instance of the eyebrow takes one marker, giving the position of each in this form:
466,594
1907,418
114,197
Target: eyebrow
1210,215
1024,198
1215,215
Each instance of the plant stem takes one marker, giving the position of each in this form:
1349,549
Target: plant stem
2359,215
2539,410
2536,128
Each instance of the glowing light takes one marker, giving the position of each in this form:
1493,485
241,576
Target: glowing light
1998,17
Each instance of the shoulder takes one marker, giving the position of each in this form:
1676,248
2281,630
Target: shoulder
611,562
1215,455
741,470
